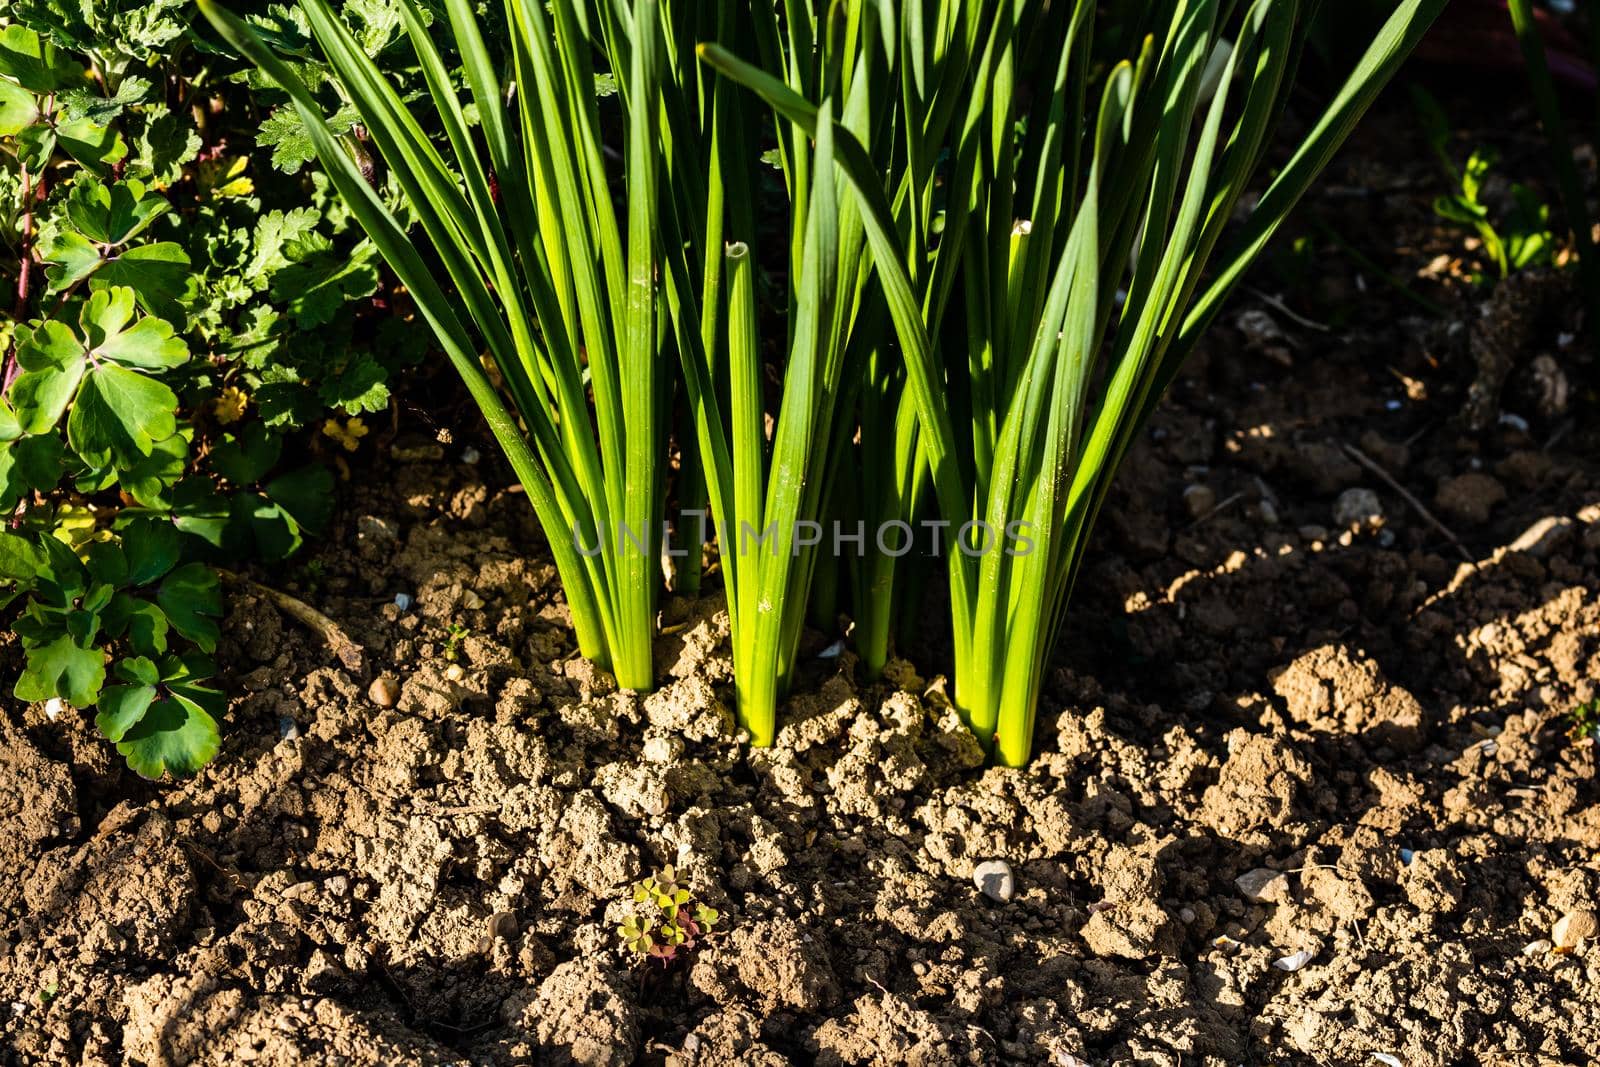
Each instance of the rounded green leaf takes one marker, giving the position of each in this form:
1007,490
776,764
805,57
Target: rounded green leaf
62,669
173,735
121,707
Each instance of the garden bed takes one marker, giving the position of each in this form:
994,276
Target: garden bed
433,871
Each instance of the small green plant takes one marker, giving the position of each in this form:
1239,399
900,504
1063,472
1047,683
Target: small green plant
128,604
1519,240
666,918
456,634
1584,721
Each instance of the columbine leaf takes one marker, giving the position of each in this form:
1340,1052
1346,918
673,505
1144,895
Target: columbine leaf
29,465
122,706
53,363
62,669
107,563
155,272
306,494
74,256
33,62
144,624
152,548
19,560
173,735
96,147
19,109
122,413
10,428
191,598
149,480
148,343
116,213
245,458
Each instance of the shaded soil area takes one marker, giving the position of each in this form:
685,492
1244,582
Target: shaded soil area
1304,790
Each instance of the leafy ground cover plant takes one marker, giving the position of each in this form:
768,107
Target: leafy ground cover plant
167,326
127,597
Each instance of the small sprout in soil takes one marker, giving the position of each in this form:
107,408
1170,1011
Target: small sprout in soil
48,992
1583,721
666,918
452,645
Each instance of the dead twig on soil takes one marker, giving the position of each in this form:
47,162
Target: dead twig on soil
349,653
1405,494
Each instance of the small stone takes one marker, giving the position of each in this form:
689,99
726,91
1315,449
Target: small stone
454,672
470,455
1573,928
1357,507
384,690
338,885
288,729
1294,962
1263,885
1537,948
403,601
503,925
471,600
995,880
1200,500
1544,536
53,708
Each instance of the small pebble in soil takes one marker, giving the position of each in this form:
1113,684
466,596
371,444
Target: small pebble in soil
1199,499
503,925
1294,962
470,455
1573,928
53,708
1406,856
288,729
995,880
454,672
1537,948
384,690
1357,507
1263,885
403,601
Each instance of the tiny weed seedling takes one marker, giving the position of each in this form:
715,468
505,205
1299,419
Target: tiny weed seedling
1519,240
1583,721
666,918
452,642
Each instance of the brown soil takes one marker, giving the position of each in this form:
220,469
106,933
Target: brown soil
1363,720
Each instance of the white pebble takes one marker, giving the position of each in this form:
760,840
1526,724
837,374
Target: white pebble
470,455
1294,962
995,880
403,601
53,708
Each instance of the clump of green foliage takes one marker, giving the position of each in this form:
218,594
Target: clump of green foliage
174,311
1521,238
1583,721
666,919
